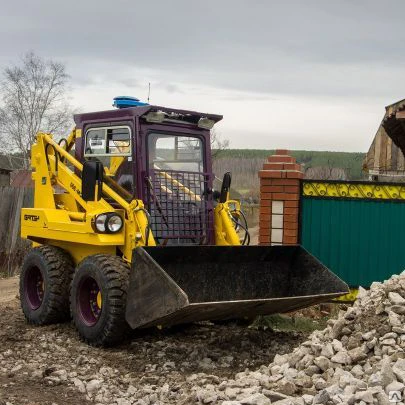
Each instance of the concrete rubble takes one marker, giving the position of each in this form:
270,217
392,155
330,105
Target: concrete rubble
358,358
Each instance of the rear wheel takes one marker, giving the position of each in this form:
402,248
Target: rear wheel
98,298
44,285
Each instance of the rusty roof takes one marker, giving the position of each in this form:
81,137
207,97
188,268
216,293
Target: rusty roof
394,127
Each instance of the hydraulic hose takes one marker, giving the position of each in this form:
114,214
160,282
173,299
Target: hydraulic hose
62,159
147,231
244,227
55,154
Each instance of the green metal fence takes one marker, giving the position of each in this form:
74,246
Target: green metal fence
356,229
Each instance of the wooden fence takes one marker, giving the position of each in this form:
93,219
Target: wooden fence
12,247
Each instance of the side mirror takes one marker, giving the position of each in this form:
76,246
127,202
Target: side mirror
92,180
226,185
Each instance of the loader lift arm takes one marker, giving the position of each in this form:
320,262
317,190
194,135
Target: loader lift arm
66,218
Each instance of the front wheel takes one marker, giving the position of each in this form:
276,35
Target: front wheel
98,298
44,285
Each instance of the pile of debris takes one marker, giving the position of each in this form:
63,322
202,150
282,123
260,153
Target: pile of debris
358,359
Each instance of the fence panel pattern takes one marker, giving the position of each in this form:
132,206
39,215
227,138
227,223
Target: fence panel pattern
356,229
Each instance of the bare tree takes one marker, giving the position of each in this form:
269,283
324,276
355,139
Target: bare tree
217,143
33,99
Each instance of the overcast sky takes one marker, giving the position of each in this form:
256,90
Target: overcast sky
299,74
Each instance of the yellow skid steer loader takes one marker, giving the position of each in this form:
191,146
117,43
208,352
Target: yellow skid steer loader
129,233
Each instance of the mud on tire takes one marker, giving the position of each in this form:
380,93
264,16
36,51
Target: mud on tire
44,285
98,298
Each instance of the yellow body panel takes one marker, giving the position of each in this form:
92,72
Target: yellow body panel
225,233
61,217
79,251
350,297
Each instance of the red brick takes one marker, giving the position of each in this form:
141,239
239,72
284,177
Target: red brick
295,175
282,151
274,166
291,204
265,203
290,166
272,189
290,211
285,196
265,240
292,189
265,210
281,159
270,173
290,218
264,224
285,182
265,196
290,240
291,232
290,225
266,181
265,232
264,217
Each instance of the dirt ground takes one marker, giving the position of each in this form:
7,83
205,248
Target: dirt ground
31,356
8,289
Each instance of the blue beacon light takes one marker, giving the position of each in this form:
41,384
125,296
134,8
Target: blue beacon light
126,102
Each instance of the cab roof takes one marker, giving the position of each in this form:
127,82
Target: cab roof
185,116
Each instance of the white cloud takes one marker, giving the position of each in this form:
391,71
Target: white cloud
307,75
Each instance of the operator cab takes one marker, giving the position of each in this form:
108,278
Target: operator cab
161,156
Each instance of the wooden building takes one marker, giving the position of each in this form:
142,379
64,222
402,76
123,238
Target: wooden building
385,159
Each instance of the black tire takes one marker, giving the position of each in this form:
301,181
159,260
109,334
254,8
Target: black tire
103,324
44,285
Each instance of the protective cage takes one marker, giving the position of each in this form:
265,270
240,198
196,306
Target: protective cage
181,209
180,284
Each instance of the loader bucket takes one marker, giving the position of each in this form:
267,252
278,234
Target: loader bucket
181,284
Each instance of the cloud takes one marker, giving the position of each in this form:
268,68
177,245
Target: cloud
246,54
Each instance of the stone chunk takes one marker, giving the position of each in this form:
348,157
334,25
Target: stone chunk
92,386
395,298
322,362
341,357
399,370
394,386
287,387
256,399
357,354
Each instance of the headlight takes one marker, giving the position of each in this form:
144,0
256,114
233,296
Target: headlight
114,223
108,223
100,222
205,123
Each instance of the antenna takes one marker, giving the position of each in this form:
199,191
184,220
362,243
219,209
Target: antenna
148,92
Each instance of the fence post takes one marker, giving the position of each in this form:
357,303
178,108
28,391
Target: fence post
279,199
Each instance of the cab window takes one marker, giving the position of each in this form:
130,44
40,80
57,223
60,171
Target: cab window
108,141
112,146
175,152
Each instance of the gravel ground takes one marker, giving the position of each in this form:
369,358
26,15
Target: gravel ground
50,365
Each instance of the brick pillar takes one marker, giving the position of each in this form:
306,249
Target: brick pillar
279,199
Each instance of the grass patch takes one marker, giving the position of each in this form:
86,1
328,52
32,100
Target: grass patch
286,323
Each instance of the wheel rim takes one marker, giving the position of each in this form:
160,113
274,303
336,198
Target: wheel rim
34,288
89,301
